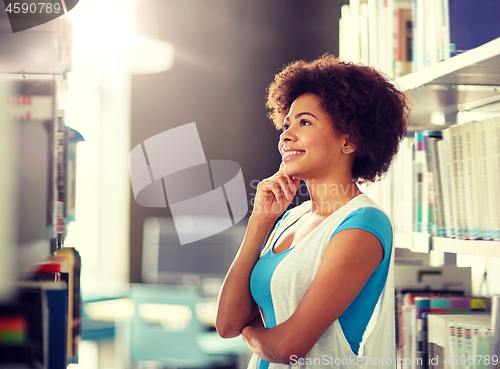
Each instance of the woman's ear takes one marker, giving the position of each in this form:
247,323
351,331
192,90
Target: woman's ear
349,147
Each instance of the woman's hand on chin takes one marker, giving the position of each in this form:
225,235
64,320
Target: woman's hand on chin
273,196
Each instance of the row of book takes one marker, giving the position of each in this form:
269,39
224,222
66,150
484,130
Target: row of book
445,183
40,325
437,329
401,36
377,33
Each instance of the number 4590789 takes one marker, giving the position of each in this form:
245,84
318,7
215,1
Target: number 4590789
33,7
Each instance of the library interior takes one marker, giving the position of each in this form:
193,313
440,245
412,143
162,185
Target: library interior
109,111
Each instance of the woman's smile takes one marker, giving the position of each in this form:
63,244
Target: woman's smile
289,153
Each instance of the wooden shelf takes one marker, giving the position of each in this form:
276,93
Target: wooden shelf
465,82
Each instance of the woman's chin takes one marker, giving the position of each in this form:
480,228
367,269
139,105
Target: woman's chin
290,171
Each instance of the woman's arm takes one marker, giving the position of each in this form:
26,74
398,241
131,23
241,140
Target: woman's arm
236,307
349,260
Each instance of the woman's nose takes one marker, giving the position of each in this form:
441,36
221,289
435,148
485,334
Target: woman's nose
287,135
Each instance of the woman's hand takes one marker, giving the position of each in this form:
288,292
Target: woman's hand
274,194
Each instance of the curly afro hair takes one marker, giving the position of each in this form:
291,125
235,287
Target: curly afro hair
360,101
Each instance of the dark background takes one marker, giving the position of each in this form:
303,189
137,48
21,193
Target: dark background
226,54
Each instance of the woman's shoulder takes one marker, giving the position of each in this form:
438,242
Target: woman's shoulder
367,215
363,206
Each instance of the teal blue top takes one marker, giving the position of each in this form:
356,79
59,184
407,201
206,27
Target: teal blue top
355,318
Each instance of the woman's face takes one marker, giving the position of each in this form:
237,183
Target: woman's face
309,144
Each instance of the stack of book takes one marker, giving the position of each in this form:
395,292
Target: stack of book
450,181
433,326
459,340
39,327
401,36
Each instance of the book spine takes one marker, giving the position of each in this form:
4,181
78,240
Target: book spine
364,34
495,325
451,170
402,38
415,37
408,188
373,36
431,180
495,174
382,31
438,191
457,161
355,39
389,38
472,218
484,191
418,171
344,33
453,342
446,30
445,188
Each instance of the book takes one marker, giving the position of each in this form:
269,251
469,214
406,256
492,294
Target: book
409,35
457,159
364,36
470,178
493,149
464,16
446,188
412,337
452,334
403,38
36,325
421,187
373,33
57,303
485,188
72,258
435,191
354,6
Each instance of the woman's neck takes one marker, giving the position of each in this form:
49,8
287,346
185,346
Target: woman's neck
329,195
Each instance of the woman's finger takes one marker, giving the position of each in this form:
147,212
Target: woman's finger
275,188
285,186
292,183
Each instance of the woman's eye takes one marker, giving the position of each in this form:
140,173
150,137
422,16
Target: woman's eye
285,127
304,122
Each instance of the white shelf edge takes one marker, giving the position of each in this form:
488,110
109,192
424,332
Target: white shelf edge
427,75
423,242
415,241
403,241
468,247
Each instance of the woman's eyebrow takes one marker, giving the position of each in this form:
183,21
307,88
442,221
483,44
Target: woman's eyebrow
301,114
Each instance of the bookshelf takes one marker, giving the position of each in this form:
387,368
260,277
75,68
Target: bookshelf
467,82
39,308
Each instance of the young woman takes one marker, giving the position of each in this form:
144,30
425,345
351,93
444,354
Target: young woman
320,293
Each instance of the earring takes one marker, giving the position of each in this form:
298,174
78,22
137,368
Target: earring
346,149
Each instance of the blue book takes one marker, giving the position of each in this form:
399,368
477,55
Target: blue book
57,303
472,24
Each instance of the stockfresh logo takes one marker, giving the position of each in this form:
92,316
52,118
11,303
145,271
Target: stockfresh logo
205,196
25,14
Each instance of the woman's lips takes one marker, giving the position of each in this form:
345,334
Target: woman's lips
290,154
